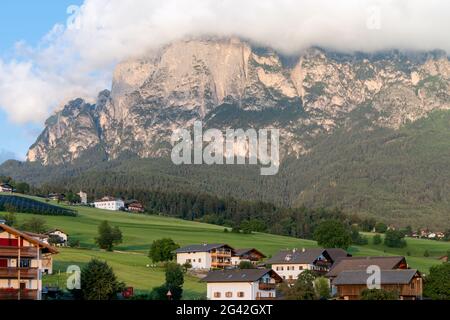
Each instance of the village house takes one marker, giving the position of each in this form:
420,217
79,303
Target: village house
134,206
22,263
362,263
407,283
58,237
56,196
291,263
6,188
206,256
252,284
110,203
247,255
83,197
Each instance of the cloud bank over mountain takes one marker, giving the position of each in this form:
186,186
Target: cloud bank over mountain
77,59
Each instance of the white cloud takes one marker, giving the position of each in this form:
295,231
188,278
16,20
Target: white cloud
78,61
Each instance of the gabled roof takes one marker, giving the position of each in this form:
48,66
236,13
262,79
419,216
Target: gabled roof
362,263
241,252
387,277
202,248
46,248
54,230
250,275
337,254
307,256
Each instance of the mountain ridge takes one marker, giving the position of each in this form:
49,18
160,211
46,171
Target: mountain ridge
197,79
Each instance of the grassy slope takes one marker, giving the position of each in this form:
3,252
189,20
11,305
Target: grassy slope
130,264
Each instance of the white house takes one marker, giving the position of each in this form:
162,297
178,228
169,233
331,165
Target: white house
248,255
4,187
109,203
64,237
290,264
252,284
206,256
83,197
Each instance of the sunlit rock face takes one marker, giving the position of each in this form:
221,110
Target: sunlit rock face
228,83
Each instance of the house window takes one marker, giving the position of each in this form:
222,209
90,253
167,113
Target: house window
241,294
217,295
412,285
25,263
291,277
199,260
300,268
229,294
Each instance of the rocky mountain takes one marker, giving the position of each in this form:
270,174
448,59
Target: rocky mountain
230,83
368,133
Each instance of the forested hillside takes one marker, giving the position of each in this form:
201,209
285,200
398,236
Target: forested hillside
399,176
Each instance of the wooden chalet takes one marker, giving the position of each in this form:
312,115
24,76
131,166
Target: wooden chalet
407,284
23,259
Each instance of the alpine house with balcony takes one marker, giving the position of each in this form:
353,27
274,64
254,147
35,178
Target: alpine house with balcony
23,260
251,284
206,256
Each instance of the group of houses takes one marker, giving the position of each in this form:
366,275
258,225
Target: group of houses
348,276
115,204
427,234
106,203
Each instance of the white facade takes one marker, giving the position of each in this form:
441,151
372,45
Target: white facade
60,234
111,205
291,271
5,188
240,290
198,260
83,197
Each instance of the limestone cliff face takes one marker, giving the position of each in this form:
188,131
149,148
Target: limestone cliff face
201,79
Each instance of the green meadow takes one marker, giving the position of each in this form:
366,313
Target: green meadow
132,266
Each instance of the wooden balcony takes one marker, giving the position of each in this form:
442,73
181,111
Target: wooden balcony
13,273
224,264
267,286
13,294
13,252
225,254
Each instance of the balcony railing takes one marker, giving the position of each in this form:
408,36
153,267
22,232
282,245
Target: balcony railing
13,294
13,252
221,253
13,273
220,264
267,286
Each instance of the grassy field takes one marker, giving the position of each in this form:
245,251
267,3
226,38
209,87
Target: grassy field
130,259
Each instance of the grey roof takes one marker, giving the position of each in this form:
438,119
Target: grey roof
296,256
387,277
337,254
362,263
201,248
250,275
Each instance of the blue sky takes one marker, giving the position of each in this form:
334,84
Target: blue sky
29,21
